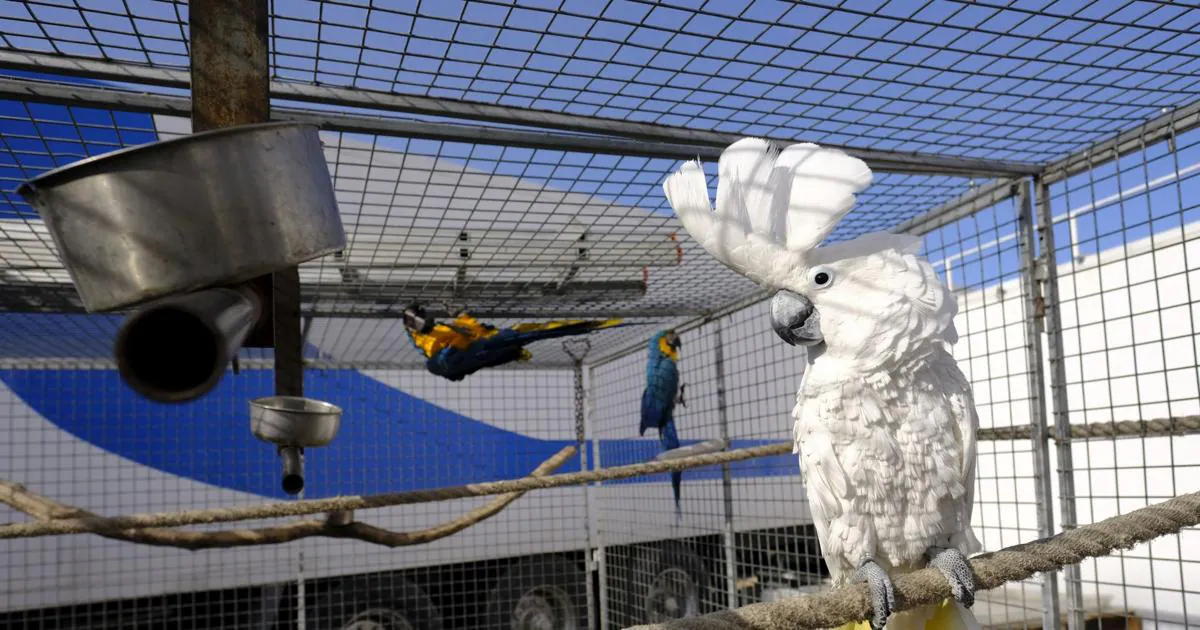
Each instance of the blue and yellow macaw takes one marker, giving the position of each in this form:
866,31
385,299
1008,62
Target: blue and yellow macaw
662,392
467,345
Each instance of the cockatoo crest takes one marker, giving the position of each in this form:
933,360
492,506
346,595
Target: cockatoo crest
774,207
871,299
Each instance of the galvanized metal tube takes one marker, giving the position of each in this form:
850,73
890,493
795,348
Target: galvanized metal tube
581,438
727,533
1039,435
176,349
1060,410
293,469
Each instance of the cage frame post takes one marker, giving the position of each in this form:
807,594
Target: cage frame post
578,350
727,533
1047,280
230,77
1035,373
597,555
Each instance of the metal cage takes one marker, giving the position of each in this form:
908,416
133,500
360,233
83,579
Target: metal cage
507,159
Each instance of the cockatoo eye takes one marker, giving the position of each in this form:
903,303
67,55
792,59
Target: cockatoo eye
820,276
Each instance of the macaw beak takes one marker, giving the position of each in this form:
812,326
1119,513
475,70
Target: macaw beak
416,319
795,319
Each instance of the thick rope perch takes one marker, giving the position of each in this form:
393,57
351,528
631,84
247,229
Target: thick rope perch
1157,427
850,603
47,509
92,524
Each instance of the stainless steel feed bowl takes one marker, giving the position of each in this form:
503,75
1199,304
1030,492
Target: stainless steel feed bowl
294,420
213,208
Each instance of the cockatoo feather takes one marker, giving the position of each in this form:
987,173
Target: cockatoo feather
885,421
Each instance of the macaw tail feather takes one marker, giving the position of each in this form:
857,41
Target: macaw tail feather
948,615
536,331
676,483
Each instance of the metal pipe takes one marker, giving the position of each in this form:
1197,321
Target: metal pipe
878,160
176,349
1034,327
1059,407
293,469
728,537
597,554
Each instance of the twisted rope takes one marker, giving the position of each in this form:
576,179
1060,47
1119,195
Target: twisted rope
1157,427
19,498
93,524
851,603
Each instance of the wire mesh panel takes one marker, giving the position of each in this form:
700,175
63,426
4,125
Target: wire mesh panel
989,79
657,564
1083,322
75,438
981,258
739,526
1125,253
410,430
774,546
771,539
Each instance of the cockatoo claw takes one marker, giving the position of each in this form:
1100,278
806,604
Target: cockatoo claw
953,564
883,596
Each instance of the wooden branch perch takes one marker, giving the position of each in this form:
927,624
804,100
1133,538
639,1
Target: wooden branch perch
44,508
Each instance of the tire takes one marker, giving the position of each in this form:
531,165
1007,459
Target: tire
674,582
374,602
539,593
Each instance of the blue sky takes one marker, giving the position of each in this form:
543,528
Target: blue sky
886,75
1007,87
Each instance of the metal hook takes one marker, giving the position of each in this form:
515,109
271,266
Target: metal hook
569,347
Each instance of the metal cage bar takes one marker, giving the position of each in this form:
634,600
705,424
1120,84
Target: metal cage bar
1060,412
903,162
1039,434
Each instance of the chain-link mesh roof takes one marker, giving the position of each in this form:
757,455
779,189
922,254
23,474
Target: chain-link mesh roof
1025,81
422,217
515,233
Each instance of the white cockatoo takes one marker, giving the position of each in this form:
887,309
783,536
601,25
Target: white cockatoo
885,422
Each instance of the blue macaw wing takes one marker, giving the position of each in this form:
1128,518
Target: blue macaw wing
456,364
658,400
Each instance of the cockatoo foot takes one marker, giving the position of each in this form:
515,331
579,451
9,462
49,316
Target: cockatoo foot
883,596
953,564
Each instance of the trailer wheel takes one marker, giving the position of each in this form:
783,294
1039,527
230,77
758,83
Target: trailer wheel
676,580
544,593
375,602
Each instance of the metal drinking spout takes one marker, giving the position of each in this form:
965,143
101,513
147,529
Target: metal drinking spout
293,469
294,423
176,349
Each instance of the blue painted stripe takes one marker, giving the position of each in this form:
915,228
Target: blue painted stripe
389,440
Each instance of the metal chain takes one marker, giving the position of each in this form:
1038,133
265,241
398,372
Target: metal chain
579,400
577,349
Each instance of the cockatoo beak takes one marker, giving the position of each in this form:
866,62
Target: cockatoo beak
795,319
